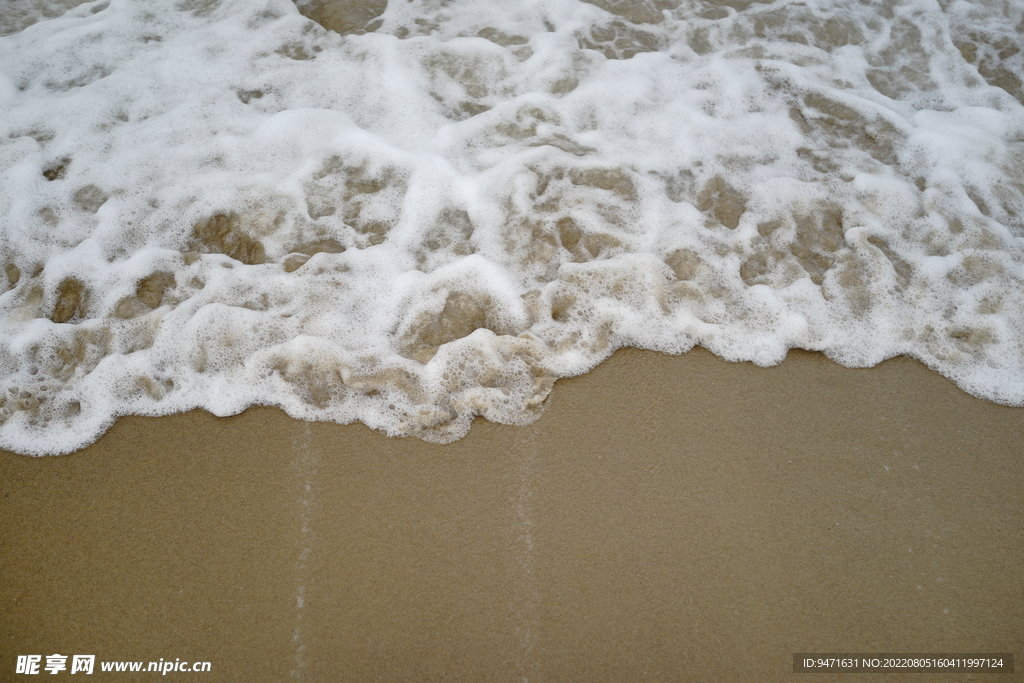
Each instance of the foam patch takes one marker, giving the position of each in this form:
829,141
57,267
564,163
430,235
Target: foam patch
410,214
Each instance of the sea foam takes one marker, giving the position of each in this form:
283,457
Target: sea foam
411,213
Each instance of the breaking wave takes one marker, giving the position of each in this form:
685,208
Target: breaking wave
411,213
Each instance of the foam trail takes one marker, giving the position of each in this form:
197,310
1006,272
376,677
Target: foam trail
413,213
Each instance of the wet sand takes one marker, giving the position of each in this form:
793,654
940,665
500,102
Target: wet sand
667,519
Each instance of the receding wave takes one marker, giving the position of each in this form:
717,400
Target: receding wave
414,213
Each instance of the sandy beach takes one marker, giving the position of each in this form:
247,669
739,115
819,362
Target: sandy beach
666,519
417,213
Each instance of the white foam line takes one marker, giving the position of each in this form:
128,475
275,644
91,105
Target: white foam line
527,595
304,464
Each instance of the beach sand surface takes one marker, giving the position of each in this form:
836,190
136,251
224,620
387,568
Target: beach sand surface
666,519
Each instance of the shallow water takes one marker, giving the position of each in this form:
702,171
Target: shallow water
412,213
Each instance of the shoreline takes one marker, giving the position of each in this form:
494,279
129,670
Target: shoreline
666,517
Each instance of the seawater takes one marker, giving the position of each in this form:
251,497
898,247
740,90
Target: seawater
413,212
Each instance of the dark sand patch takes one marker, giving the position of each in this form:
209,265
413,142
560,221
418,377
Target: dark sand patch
667,518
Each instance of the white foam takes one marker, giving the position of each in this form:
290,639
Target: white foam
221,203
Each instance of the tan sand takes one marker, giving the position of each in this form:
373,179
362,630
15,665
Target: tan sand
667,519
